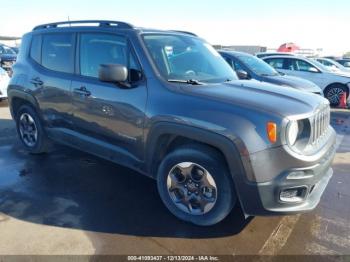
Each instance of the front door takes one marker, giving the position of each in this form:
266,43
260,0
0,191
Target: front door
109,113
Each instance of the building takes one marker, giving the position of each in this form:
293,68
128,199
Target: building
250,49
10,40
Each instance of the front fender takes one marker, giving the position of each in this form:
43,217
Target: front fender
231,149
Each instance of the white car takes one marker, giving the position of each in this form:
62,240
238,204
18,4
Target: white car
4,81
333,84
332,65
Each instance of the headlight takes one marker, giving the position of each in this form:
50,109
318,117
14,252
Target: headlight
298,134
292,132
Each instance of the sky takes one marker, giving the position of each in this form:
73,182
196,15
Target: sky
308,23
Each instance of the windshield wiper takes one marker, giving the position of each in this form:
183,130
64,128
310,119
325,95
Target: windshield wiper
189,81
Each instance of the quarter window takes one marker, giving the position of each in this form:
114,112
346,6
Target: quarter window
35,49
58,52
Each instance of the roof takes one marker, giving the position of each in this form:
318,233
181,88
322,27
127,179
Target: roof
285,56
102,24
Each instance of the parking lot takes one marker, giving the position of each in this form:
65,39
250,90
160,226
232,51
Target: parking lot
69,202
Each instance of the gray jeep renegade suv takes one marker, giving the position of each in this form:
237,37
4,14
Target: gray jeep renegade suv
166,104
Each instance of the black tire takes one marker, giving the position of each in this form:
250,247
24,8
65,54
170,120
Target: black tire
42,143
212,161
333,93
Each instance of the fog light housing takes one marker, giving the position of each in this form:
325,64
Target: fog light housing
300,175
293,195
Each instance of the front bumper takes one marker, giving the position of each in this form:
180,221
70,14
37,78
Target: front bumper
264,198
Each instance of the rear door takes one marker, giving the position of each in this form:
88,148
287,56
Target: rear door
52,58
111,114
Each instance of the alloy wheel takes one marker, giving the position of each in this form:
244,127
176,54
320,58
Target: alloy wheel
28,130
192,188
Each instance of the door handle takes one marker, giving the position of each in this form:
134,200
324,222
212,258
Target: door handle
37,81
82,91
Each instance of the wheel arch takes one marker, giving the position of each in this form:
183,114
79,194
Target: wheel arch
335,84
165,137
18,98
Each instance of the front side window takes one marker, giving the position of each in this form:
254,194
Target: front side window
300,65
258,66
98,49
180,57
58,52
237,66
325,62
276,63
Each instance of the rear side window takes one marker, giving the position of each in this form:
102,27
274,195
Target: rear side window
58,52
35,49
275,62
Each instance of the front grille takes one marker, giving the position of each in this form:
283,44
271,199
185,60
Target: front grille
320,123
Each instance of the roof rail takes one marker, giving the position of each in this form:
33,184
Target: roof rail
184,32
101,23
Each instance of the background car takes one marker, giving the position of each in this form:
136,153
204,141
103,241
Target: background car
7,56
250,67
16,49
333,84
4,81
266,54
344,62
332,64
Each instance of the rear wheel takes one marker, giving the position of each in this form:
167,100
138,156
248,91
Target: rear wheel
31,131
334,93
195,185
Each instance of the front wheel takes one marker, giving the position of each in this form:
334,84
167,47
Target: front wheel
195,185
334,93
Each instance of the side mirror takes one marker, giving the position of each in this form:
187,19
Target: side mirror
242,74
313,70
113,73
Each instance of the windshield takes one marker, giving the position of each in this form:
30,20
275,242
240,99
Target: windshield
183,58
257,65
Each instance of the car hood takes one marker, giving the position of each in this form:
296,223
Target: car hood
260,96
294,82
8,57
